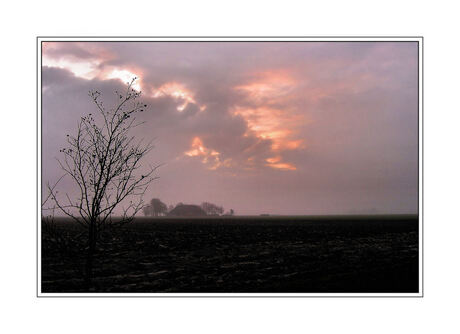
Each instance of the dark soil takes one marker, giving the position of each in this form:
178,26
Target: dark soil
240,254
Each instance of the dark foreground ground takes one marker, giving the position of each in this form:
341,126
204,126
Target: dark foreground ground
241,254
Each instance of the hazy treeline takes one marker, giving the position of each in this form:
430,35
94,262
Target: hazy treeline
158,208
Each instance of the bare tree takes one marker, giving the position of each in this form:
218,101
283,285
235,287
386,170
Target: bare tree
147,209
103,161
155,208
212,209
158,207
229,213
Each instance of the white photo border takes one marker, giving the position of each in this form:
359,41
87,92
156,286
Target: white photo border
418,39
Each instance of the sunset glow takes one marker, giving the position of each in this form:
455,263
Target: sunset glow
282,166
197,148
268,123
64,56
273,160
266,90
274,125
125,76
208,156
83,69
176,91
268,86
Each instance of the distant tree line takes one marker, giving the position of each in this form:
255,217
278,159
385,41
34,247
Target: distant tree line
157,208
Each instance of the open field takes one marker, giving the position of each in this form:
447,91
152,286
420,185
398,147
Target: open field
242,254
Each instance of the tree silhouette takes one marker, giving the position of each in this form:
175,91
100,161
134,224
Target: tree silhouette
158,207
155,208
212,209
103,161
147,209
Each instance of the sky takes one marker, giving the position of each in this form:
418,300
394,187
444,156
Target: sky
257,127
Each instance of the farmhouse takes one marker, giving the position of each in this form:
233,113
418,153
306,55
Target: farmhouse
187,210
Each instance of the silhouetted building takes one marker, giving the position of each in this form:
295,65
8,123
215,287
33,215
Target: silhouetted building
187,210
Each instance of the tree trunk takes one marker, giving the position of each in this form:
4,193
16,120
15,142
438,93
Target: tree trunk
90,255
